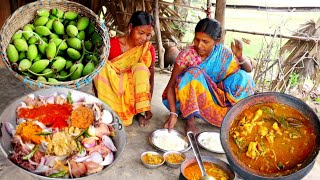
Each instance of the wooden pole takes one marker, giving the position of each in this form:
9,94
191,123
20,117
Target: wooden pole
158,34
220,14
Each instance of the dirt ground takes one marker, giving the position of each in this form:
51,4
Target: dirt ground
129,165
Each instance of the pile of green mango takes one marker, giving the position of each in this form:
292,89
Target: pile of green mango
56,46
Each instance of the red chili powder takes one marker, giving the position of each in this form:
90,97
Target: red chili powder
51,115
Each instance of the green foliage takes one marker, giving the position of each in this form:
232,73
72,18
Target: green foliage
293,79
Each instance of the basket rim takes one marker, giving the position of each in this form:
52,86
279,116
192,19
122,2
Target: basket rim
100,28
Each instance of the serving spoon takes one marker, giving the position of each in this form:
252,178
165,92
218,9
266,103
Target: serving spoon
196,152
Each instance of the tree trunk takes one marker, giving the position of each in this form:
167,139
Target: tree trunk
220,14
158,33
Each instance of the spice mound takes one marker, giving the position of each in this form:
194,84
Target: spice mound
82,117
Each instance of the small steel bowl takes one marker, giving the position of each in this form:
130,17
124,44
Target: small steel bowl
151,166
170,164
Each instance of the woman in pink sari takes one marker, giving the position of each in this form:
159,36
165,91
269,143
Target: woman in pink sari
207,79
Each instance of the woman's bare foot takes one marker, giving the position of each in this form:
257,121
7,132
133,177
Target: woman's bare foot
144,120
190,126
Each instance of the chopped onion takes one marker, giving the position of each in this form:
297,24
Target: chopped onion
60,158
70,172
92,131
30,145
40,124
41,168
97,111
50,100
108,159
51,161
83,153
96,157
107,141
89,142
80,159
21,120
32,162
106,117
32,96
9,127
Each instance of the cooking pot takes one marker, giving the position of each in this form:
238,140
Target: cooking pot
223,165
9,115
269,97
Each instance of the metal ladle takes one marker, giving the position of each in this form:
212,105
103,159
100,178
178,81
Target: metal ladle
196,152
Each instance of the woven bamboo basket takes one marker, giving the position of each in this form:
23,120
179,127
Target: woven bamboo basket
26,14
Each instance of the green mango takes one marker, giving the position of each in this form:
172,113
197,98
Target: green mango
49,24
41,21
41,79
42,30
43,12
22,55
57,12
48,73
88,45
74,43
72,30
58,27
73,54
33,40
77,68
81,35
88,68
53,36
44,39
51,50
37,58
95,60
42,47
70,15
59,64
24,64
52,16
52,80
12,53
39,66
21,44
90,28
57,42
82,23
17,35
32,52
27,27
73,23
96,39
62,75
68,64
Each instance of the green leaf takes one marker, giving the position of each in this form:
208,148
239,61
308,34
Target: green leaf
69,98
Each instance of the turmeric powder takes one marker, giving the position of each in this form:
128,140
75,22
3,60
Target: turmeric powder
29,131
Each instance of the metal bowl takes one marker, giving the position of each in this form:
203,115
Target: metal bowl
169,136
9,115
210,137
170,164
151,166
269,97
223,165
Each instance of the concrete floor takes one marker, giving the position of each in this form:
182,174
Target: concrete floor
129,165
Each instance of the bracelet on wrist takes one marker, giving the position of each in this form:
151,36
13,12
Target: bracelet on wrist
240,63
173,114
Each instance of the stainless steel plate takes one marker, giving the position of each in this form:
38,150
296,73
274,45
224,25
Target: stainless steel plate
165,141
210,141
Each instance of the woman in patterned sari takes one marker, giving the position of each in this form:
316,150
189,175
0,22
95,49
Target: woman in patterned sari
125,83
207,79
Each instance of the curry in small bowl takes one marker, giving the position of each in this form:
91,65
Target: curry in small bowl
270,138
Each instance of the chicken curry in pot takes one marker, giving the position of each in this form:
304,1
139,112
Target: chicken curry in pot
272,138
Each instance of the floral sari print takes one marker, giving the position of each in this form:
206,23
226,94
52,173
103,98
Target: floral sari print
207,89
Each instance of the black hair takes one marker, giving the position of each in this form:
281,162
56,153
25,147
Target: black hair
140,18
209,26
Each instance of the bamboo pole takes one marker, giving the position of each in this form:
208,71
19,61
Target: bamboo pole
277,35
179,5
220,15
158,33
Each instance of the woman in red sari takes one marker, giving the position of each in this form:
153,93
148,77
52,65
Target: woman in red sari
126,81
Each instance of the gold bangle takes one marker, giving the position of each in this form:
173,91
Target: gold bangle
173,113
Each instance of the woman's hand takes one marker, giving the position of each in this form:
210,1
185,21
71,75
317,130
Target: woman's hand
171,121
236,48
